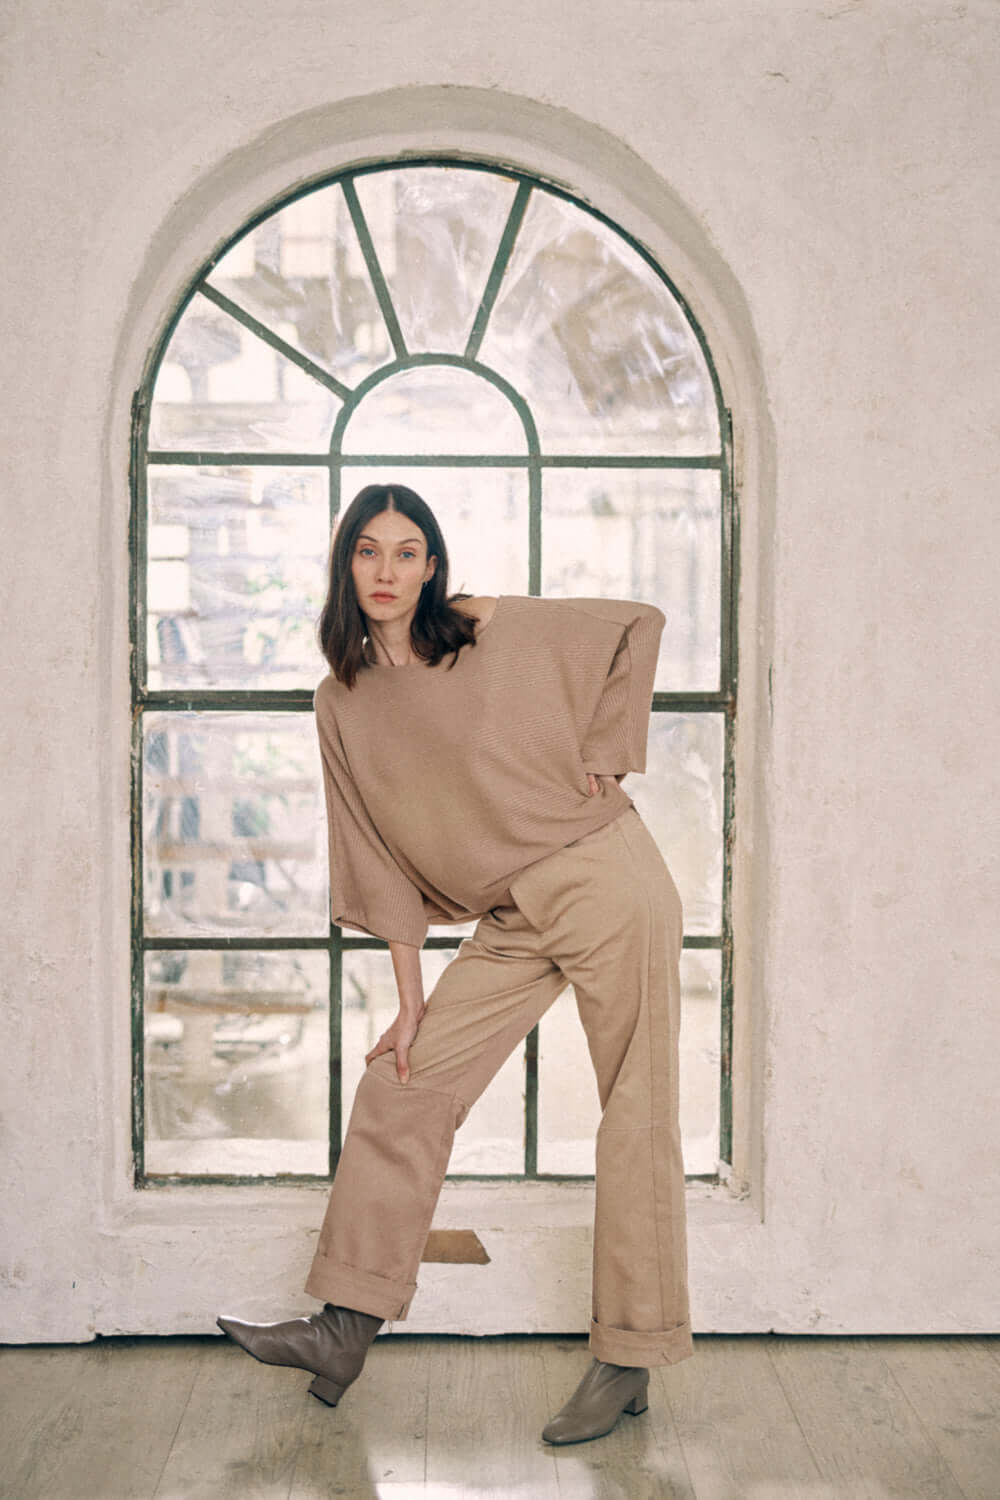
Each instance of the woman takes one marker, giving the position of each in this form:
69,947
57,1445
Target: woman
472,757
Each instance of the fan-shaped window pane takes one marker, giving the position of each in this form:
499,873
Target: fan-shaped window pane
435,409
302,274
222,388
648,534
596,343
436,231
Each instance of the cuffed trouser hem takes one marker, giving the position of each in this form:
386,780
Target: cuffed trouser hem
345,1286
623,1346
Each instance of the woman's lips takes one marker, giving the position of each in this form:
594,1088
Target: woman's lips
383,596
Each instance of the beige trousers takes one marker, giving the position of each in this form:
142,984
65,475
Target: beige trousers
604,915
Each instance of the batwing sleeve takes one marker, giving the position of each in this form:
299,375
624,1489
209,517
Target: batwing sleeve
615,741
368,890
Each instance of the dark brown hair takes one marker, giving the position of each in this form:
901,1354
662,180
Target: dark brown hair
436,627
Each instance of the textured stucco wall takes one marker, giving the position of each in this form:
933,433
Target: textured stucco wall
828,183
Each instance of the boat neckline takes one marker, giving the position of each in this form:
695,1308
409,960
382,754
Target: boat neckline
384,666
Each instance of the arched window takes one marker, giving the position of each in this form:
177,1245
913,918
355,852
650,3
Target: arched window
512,354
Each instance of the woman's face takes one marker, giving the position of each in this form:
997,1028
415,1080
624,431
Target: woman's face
389,566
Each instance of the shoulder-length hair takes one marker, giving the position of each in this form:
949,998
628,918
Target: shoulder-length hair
436,627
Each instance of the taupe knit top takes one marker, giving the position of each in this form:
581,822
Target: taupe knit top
443,782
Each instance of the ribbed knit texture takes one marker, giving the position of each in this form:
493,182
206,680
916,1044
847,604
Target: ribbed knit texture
442,783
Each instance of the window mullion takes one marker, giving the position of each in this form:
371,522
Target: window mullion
336,1070
379,284
274,340
497,270
531,1102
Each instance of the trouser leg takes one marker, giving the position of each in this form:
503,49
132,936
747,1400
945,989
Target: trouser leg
613,922
399,1136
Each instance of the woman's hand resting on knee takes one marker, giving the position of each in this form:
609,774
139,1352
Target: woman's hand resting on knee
398,1038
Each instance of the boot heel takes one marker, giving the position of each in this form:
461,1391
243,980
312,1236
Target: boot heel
637,1405
326,1390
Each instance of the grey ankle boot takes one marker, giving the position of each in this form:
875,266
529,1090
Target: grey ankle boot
598,1401
331,1344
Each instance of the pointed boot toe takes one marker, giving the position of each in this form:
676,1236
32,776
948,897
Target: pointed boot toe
272,1343
598,1401
244,1334
332,1345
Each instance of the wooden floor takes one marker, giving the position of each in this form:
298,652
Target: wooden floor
751,1417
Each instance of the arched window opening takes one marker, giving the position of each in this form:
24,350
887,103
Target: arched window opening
512,354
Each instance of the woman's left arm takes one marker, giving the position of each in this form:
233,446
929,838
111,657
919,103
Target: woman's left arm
618,732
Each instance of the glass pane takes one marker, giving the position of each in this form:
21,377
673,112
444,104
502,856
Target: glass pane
435,409
221,388
301,273
436,232
491,1138
483,515
700,1049
569,1111
236,1062
680,801
568,1108
234,825
649,534
595,341
237,576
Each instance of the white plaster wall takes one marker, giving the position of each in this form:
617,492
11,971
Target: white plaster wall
825,173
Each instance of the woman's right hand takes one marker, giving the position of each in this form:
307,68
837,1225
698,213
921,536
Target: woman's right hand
398,1038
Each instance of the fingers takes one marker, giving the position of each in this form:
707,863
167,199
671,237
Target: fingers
402,1051
380,1046
399,1039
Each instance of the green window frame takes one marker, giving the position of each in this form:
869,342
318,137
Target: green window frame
720,701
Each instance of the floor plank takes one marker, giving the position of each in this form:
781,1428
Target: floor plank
377,1434
739,1436
862,1431
94,1420
485,1410
241,1431
953,1385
